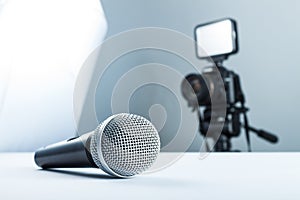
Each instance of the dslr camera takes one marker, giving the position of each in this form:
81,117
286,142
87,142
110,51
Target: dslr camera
215,42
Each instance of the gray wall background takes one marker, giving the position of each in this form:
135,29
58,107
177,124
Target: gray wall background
267,61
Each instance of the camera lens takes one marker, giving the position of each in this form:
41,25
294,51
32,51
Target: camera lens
195,90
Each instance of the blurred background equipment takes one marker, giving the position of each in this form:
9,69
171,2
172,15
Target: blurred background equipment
215,41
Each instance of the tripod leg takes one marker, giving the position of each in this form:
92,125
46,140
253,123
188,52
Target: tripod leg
223,144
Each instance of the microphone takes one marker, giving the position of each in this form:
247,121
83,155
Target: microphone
123,145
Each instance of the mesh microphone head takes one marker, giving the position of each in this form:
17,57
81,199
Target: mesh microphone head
125,145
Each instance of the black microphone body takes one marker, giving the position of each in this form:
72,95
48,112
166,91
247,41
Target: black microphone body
71,153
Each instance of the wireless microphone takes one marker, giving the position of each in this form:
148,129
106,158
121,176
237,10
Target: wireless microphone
123,145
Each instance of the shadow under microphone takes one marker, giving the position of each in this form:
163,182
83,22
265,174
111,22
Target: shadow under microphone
123,145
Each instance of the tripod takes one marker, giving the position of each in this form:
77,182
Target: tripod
235,110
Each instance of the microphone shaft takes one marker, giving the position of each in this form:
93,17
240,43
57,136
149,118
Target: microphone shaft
68,154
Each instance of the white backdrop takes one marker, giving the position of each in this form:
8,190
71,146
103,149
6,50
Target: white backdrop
269,45
43,44
267,61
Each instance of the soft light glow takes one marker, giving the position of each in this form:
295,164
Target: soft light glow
43,44
215,39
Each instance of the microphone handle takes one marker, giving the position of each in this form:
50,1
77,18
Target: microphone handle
72,153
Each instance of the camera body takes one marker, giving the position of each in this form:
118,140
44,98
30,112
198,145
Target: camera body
234,100
199,89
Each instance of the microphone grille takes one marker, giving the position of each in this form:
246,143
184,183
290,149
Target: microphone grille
125,145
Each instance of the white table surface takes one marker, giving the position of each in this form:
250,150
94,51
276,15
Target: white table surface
219,176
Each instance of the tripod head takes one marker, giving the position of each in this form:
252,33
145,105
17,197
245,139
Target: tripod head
235,110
